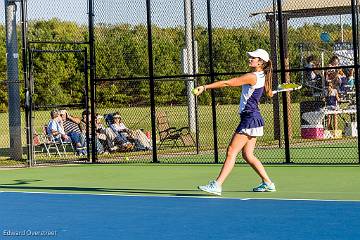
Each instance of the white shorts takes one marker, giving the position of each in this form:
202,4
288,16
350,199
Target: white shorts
253,132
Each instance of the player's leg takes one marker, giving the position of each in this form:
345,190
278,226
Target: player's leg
329,122
335,122
237,143
249,157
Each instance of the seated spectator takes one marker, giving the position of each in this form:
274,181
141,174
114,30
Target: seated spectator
83,125
71,128
139,139
120,132
55,128
104,135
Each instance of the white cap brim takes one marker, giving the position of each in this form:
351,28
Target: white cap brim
259,53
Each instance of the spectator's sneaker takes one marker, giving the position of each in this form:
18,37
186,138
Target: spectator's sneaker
114,148
213,187
81,153
128,146
103,153
264,187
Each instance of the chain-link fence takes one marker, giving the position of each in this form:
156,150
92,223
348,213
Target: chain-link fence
144,58
323,115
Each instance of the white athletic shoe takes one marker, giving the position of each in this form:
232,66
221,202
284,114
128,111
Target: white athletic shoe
264,187
213,187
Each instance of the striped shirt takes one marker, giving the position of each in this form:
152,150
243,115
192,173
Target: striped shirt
70,126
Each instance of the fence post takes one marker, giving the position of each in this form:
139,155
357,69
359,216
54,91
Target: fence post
283,79
15,150
152,80
355,29
28,101
212,76
92,79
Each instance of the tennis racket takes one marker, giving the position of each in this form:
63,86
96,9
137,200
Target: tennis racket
287,87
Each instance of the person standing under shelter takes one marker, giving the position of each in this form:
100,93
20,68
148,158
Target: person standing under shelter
313,77
311,62
332,99
350,80
332,74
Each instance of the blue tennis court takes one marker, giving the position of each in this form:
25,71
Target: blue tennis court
87,216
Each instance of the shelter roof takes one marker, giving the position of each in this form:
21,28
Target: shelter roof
310,8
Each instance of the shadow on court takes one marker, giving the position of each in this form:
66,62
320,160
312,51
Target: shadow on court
19,185
22,182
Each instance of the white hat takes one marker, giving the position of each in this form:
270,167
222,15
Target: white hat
259,53
62,112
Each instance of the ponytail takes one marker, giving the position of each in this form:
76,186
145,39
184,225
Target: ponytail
268,78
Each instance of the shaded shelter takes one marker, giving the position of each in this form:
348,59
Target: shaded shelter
296,9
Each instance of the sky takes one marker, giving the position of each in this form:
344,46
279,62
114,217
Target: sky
165,13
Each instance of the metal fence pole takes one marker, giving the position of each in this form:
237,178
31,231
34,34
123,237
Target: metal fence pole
189,61
28,125
212,77
92,79
15,150
356,63
283,77
152,80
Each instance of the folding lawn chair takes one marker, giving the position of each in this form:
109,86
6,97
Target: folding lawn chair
55,144
170,134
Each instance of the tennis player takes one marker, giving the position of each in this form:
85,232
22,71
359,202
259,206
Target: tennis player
251,124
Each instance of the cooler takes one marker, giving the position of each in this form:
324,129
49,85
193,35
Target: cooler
336,134
312,131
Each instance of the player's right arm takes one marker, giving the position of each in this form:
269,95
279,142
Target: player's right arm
249,78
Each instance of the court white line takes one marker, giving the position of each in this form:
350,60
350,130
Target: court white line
196,197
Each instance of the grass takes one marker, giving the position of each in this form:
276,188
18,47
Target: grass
139,117
227,121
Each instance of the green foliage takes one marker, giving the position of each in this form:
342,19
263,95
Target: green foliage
3,86
58,76
122,53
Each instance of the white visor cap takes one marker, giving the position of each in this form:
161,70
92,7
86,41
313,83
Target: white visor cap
259,53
